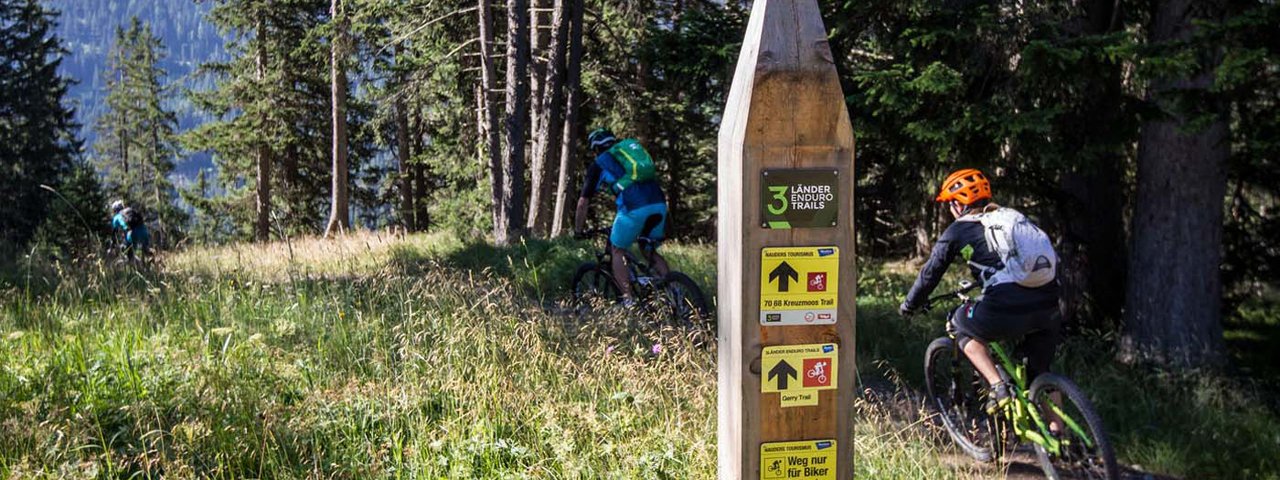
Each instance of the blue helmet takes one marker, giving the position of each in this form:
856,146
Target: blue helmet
601,139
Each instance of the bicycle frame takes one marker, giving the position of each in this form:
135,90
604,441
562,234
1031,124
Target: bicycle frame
1027,422
641,275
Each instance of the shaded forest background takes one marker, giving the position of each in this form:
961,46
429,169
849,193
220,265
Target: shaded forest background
1141,135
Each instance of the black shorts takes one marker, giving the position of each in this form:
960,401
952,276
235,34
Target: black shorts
1010,313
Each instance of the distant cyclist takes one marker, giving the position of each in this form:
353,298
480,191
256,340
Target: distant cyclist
1014,262
625,169
129,230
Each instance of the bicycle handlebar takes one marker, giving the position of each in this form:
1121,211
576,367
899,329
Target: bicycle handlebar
965,287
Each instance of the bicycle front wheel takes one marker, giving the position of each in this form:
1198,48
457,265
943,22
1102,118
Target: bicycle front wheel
685,302
593,283
1085,451
955,390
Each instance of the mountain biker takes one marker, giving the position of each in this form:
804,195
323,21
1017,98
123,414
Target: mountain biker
129,229
1007,310
625,169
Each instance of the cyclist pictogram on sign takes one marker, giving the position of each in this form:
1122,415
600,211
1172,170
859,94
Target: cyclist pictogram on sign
798,372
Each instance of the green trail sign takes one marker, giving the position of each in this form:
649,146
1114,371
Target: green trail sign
799,198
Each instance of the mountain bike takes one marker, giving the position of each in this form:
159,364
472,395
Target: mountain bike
673,296
115,252
955,388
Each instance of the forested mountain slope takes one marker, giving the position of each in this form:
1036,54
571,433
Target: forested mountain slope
87,29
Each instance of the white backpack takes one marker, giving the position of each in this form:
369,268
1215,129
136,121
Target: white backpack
1027,253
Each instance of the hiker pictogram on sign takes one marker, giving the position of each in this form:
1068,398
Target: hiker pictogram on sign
799,285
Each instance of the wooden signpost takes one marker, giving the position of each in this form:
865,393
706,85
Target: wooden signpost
786,256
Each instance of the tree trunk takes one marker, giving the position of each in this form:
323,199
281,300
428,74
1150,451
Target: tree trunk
547,139
489,88
340,215
1174,302
421,190
262,227
925,228
538,38
421,184
1093,248
569,144
517,112
405,153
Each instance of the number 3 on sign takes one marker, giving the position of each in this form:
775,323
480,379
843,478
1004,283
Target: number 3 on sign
779,194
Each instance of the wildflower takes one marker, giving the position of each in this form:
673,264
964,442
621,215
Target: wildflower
656,349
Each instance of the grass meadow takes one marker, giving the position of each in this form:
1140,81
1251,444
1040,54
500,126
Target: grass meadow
433,357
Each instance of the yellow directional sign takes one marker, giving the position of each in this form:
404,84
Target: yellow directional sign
797,368
799,285
809,460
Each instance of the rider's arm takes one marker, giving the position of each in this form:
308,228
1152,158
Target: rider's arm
588,190
948,246
591,181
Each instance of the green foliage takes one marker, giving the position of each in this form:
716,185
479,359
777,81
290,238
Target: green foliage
283,112
75,226
375,356
365,358
38,143
136,146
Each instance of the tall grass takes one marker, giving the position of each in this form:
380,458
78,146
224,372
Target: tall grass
433,357
246,361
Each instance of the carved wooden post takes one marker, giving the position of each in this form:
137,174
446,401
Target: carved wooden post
786,255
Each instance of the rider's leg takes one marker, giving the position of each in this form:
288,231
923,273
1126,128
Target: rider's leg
968,322
659,263
129,246
1039,347
625,231
978,354
620,274
656,232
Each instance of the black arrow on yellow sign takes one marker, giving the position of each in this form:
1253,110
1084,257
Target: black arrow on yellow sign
782,370
784,274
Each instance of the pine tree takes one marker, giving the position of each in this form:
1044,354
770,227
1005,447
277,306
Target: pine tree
271,103
135,148
37,139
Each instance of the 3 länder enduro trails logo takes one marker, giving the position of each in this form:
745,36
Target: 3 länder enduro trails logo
799,285
804,198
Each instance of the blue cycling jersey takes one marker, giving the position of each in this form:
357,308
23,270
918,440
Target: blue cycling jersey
606,170
135,236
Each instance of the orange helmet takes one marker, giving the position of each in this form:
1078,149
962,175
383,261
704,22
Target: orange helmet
966,186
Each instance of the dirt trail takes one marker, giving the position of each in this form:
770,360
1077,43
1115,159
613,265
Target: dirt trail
904,406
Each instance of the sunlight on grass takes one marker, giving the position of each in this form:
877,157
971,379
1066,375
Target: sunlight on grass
433,357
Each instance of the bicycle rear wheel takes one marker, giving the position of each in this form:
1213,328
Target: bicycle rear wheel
593,283
955,390
1086,452
684,302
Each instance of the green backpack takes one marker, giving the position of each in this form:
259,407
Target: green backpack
637,165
